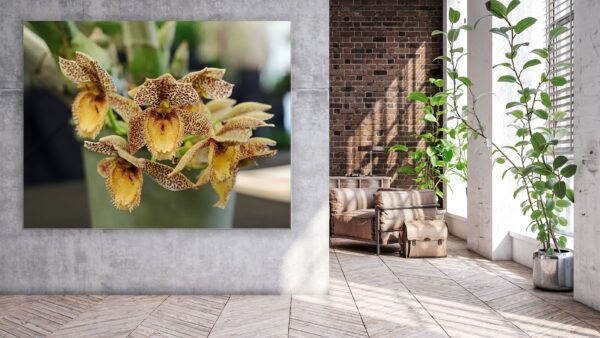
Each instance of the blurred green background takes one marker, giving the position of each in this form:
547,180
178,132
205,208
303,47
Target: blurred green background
256,55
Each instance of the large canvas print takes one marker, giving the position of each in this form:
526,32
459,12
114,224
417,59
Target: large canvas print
170,124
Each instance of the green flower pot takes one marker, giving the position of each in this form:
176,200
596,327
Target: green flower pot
159,208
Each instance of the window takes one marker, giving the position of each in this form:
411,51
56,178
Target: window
560,13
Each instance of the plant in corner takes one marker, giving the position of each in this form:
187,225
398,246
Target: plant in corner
542,174
445,135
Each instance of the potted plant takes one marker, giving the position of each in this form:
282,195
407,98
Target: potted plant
532,160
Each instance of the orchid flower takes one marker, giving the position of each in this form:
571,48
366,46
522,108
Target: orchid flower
124,172
229,142
164,122
91,104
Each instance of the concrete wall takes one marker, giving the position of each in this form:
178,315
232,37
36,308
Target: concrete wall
173,260
587,152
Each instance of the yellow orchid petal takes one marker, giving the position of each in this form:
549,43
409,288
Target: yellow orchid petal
195,123
163,175
163,134
242,122
215,106
72,71
125,107
124,182
245,107
261,115
135,131
224,164
206,174
222,189
189,155
104,166
234,136
89,113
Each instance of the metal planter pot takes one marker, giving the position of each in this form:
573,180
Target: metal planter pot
554,273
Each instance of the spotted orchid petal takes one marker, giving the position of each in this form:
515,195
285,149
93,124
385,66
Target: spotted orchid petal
256,147
72,71
189,155
89,113
163,133
195,123
135,131
125,107
154,91
241,123
114,145
105,81
206,174
163,175
209,84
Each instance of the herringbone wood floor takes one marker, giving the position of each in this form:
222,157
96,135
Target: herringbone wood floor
387,296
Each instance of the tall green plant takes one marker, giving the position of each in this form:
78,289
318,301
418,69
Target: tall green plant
445,135
540,172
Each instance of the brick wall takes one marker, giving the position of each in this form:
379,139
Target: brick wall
380,51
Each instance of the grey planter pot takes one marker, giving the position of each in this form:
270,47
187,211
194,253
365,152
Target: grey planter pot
554,273
159,207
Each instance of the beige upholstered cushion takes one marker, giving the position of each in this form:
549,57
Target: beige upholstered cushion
355,223
403,198
348,199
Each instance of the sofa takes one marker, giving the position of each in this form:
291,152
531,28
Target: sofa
376,215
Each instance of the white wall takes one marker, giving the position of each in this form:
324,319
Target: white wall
587,152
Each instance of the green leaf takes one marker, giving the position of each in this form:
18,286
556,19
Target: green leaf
559,161
546,100
562,241
496,8
512,5
507,78
563,203
437,32
541,52
512,104
531,63
556,31
538,141
417,96
467,82
568,170
448,155
405,170
560,189
550,252
430,118
523,24
529,169
437,82
499,32
453,34
536,214
398,147
549,204
541,114
443,58
558,81
570,195
453,15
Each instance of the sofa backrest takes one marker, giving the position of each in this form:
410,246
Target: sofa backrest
348,199
403,198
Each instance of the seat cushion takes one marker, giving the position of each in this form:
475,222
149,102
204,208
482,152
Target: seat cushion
355,223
